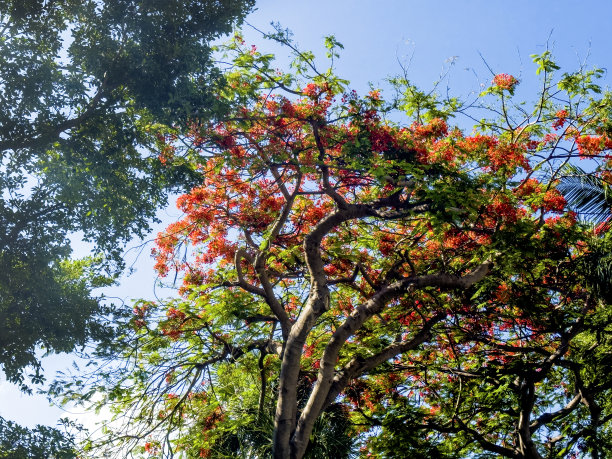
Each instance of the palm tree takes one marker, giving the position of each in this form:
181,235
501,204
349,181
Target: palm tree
590,196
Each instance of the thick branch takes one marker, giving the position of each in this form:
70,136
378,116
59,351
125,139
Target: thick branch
548,417
359,366
354,322
238,256
260,263
526,447
318,303
484,443
329,190
48,134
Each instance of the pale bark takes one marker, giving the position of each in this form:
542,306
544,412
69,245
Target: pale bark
526,447
317,304
327,374
289,442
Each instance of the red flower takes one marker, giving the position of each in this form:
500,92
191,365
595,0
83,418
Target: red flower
553,201
504,81
561,116
589,146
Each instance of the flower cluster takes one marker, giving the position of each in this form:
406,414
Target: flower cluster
560,119
505,82
590,146
553,201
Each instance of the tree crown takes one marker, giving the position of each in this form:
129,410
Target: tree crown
335,262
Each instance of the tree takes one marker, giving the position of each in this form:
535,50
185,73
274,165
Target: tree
85,88
17,442
428,285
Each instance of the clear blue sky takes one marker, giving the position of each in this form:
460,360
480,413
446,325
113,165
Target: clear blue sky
375,35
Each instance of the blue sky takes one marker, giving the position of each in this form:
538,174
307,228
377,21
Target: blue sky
376,34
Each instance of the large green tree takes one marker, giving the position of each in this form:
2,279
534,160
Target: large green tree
18,442
422,289
87,89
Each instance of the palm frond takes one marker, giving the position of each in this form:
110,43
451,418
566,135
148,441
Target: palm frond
586,194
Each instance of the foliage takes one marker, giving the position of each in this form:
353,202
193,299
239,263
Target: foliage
57,317
428,285
587,193
18,442
85,89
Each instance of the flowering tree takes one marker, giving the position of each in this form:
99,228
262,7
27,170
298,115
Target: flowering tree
349,272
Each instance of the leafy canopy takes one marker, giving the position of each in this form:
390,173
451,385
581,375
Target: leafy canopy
407,286
17,442
85,86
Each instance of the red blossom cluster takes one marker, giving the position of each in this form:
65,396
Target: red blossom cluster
553,201
503,208
593,145
504,81
508,156
560,119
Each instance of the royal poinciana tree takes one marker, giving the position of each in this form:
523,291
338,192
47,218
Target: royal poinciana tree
407,285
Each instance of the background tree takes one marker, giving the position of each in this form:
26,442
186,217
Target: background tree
336,262
85,87
17,442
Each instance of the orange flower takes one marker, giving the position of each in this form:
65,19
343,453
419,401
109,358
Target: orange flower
504,81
